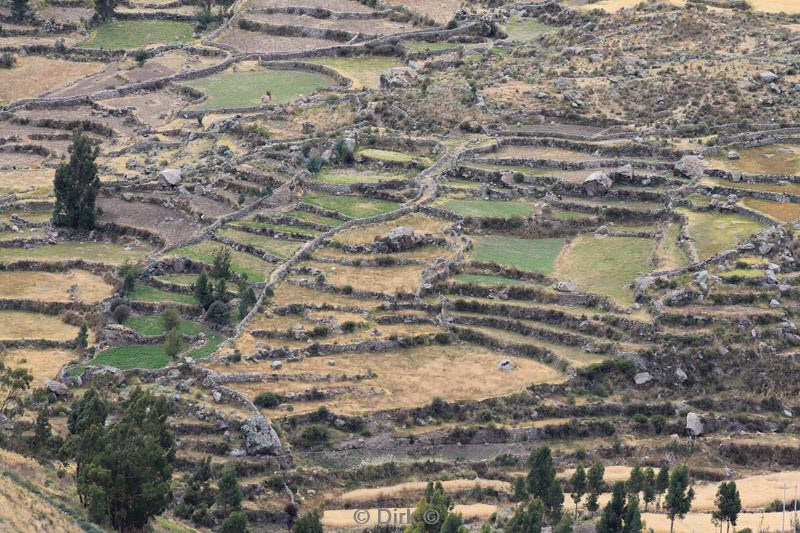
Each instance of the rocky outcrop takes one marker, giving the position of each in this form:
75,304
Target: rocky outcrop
259,437
691,166
597,184
399,77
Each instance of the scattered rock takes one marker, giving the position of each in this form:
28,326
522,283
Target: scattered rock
259,437
691,166
505,365
642,377
399,77
566,286
56,387
597,184
170,177
694,424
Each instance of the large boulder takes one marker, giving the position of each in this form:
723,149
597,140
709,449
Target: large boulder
694,424
169,177
259,437
56,387
597,184
399,77
119,335
397,239
691,166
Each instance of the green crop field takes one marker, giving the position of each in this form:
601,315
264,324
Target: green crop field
525,29
137,33
153,325
145,293
241,263
712,233
315,219
131,356
533,255
352,206
271,245
365,71
245,89
100,252
483,279
348,177
488,208
392,157
605,265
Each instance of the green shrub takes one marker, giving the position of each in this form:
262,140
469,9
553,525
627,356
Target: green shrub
267,400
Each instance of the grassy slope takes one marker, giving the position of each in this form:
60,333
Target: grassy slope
137,33
534,255
245,89
352,206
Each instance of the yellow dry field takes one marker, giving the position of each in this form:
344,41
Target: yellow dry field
612,474
286,293
25,79
423,252
414,487
24,325
697,522
416,221
612,6
440,11
393,279
43,364
53,287
410,378
347,518
791,7
756,491
22,510
26,180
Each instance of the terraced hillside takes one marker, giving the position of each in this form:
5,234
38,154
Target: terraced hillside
359,246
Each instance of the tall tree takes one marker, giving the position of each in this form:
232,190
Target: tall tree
221,264
662,482
203,291
229,494
649,487
85,423
527,518
43,433
578,484
13,382
611,520
19,10
432,510
104,9
594,486
520,489
728,504
76,184
635,480
679,497
542,481
308,523
632,516
127,481
234,523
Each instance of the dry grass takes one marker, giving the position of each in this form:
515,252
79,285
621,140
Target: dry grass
696,522
783,212
344,518
21,510
414,487
439,10
24,180
756,491
23,325
53,287
612,474
418,222
287,293
424,252
25,80
404,278
43,364
670,255
411,378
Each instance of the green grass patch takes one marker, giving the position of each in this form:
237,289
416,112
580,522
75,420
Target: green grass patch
179,279
365,71
245,89
280,227
137,33
522,29
393,157
533,255
314,218
488,208
713,233
424,46
742,273
483,279
349,177
100,252
352,206
153,325
132,356
145,293
605,265
213,340
271,245
241,263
